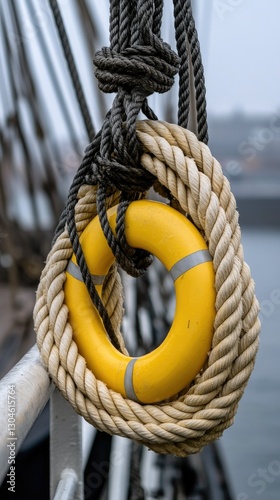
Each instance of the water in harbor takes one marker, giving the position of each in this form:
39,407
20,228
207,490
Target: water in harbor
252,445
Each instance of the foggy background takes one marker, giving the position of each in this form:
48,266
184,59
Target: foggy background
240,41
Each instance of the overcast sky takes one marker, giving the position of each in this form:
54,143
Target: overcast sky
240,41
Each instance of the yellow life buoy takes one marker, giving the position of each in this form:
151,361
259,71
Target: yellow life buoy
172,366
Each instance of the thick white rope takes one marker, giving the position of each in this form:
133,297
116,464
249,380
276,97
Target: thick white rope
185,167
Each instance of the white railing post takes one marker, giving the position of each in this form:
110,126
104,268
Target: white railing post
66,463
24,392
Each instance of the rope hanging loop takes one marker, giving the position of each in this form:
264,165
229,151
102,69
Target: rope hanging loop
173,365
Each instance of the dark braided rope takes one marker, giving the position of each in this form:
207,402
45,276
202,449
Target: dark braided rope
187,41
136,491
134,28
72,69
198,72
180,21
124,26
114,24
157,19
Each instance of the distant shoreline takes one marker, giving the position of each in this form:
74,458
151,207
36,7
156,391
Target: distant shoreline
259,212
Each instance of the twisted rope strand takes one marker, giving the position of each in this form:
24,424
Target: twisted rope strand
199,82
180,21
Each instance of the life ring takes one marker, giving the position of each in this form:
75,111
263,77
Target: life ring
172,366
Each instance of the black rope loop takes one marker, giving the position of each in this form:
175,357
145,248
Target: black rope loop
86,275
125,178
132,260
117,165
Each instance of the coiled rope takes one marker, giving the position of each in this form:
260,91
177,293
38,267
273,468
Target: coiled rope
187,169
126,158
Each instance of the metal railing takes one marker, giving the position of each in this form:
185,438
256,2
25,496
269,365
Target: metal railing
24,392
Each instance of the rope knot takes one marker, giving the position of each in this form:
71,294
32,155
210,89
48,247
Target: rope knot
125,178
151,69
136,262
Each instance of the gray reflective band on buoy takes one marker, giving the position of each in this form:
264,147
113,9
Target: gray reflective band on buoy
186,263
74,270
128,381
